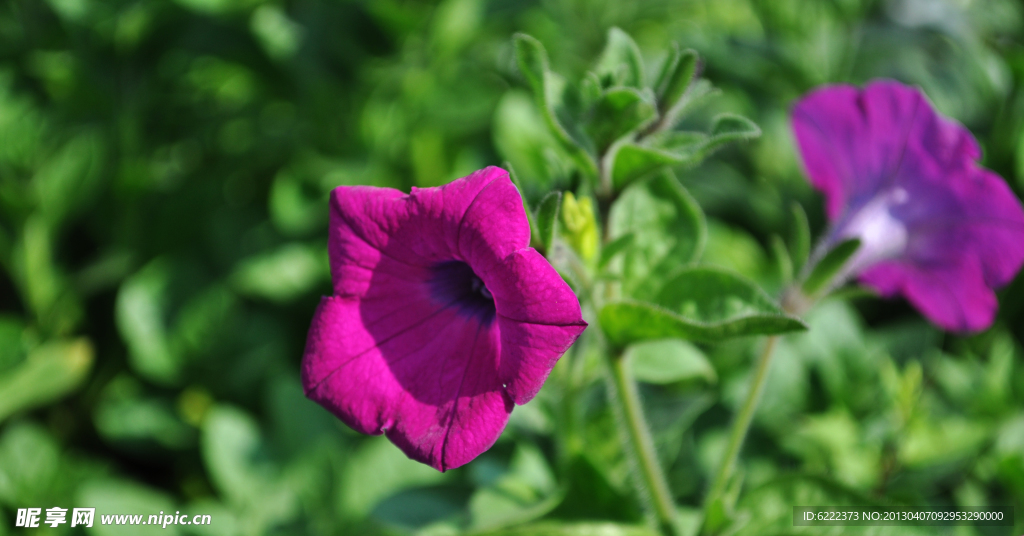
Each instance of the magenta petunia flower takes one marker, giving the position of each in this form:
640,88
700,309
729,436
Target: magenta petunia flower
442,317
934,225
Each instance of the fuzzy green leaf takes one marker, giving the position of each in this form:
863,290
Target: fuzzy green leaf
698,304
669,232
669,361
618,113
679,71
621,63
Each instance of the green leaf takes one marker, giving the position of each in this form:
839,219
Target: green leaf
680,69
621,63
800,237
521,135
525,492
727,128
140,316
236,460
282,275
829,266
123,497
123,414
677,148
632,161
836,441
280,36
549,89
292,210
733,248
590,90
216,7
50,372
69,179
698,93
547,218
535,236
618,113
231,446
13,342
596,481
930,442
698,304
422,511
297,424
377,470
669,361
42,284
202,319
533,60
613,248
668,228
30,464
768,509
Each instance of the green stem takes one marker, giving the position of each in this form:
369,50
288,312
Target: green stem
648,477
741,425
650,480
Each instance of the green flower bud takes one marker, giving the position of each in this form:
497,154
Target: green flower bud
579,225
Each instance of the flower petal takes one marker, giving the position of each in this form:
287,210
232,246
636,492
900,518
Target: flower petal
412,345
852,141
954,297
972,213
479,219
432,386
494,225
539,317
956,226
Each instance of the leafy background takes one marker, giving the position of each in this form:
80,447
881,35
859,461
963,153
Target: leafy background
164,167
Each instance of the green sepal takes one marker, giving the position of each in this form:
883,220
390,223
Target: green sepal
829,266
800,236
782,259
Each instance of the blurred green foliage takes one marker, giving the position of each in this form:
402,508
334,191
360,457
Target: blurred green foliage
164,169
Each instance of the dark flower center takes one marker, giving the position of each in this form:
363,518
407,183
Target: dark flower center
454,284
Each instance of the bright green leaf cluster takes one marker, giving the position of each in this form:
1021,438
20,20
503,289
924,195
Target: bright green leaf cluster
618,125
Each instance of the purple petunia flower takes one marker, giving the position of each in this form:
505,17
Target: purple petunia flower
442,317
934,226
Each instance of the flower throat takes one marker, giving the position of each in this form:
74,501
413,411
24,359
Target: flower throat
454,284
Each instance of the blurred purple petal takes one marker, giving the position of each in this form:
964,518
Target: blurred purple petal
442,317
934,226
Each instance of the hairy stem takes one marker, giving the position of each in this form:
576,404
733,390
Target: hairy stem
740,426
649,477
